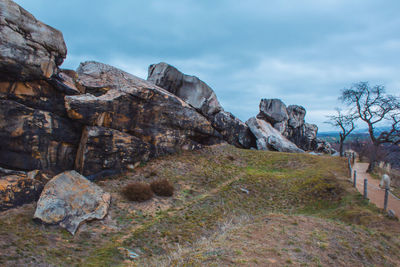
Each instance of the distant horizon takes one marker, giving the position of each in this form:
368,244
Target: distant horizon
303,53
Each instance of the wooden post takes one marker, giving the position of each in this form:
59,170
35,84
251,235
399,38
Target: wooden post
385,203
354,158
365,188
355,179
350,169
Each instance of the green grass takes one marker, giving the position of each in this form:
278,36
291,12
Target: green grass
210,189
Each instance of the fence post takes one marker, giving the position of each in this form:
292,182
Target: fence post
385,203
350,169
365,188
354,158
355,179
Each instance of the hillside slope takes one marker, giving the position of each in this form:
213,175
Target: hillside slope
231,207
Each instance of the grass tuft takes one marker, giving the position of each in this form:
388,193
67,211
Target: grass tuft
137,191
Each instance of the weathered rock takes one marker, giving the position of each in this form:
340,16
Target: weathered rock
65,82
200,96
103,151
322,146
33,139
304,136
273,111
35,94
234,131
98,78
268,138
189,88
130,104
70,199
21,188
29,49
296,116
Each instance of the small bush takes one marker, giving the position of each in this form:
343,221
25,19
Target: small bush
137,191
162,188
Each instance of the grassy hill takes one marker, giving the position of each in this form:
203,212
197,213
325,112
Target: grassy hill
230,207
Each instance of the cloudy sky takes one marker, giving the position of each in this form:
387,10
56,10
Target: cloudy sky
301,51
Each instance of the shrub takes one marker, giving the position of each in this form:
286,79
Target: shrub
137,191
162,188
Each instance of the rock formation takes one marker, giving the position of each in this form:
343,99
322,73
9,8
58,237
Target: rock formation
101,120
268,138
200,96
139,108
35,139
289,122
29,49
105,151
70,199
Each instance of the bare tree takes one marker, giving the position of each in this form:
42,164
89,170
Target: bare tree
346,124
374,106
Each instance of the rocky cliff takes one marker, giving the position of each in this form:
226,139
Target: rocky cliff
99,120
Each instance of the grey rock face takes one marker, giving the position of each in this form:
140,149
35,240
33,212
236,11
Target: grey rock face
69,199
104,151
189,88
33,139
296,116
29,49
235,132
268,138
273,111
139,108
200,96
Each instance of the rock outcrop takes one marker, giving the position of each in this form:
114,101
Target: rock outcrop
189,88
139,108
34,139
105,151
289,122
29,49
69,199
200,96
20,188
268,138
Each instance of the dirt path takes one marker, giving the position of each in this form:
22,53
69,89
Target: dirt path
375,194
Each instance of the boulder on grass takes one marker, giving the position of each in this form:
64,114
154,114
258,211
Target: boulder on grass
29,49
268,138
104,151
70,199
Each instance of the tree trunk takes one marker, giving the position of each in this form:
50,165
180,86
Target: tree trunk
373,159
341,148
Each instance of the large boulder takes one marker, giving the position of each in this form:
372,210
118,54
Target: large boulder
29,49
21,188
189,88
296,116
105,151
200,96
273,111
268,138
33,139
234,131
139,108
70,199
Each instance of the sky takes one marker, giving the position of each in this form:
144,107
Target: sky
301,51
